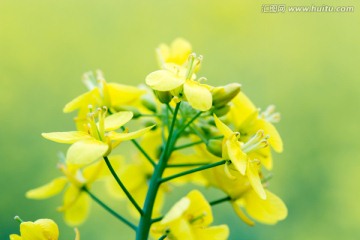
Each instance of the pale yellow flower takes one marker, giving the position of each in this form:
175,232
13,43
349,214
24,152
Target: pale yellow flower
182,83
76,202
177,53
98,139
247,120
41,229
233,150
189,219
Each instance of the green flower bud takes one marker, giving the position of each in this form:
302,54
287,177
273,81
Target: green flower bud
214,146
149,103
164,97
222,95
221,111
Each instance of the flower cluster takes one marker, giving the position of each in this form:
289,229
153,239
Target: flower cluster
184,131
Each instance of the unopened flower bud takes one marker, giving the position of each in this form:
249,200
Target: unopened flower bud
221,111
222,95
149,103
214,146
164,97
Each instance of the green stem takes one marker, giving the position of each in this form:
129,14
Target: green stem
163,237
199,134
17,218
157,219
146,155
110,210
145,220
127,193
207,166
188,145
186,164
221,200
190,122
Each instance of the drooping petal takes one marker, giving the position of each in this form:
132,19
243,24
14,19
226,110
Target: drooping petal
225,130
275,140
117,120
47,190
164,80
89,98
66,137
49,228
268,211
254,179
198,95
237,156
85,152
239,212
77,212
128,136
220,232
77,234
122,94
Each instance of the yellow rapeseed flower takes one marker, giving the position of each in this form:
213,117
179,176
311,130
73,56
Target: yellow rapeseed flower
243,197
247,120
189,219
98,139
76,202
181,82
233,150
41,229
177,53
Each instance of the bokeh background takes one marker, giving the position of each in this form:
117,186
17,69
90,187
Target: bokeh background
307,64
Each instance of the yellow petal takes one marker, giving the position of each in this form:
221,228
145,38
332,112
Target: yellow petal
15,237
92,97
117,120
77,209
49,228
123,94
199,206
31,231
47,190
268,211
180,50
237,156
77,234
85,152
198,95
265,157
275,140
220,232
242,108
164,80
163,54
176,211
128,136
225,130
66,137
181,229
254,179
241,214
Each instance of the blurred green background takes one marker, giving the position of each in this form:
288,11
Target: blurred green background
307,64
